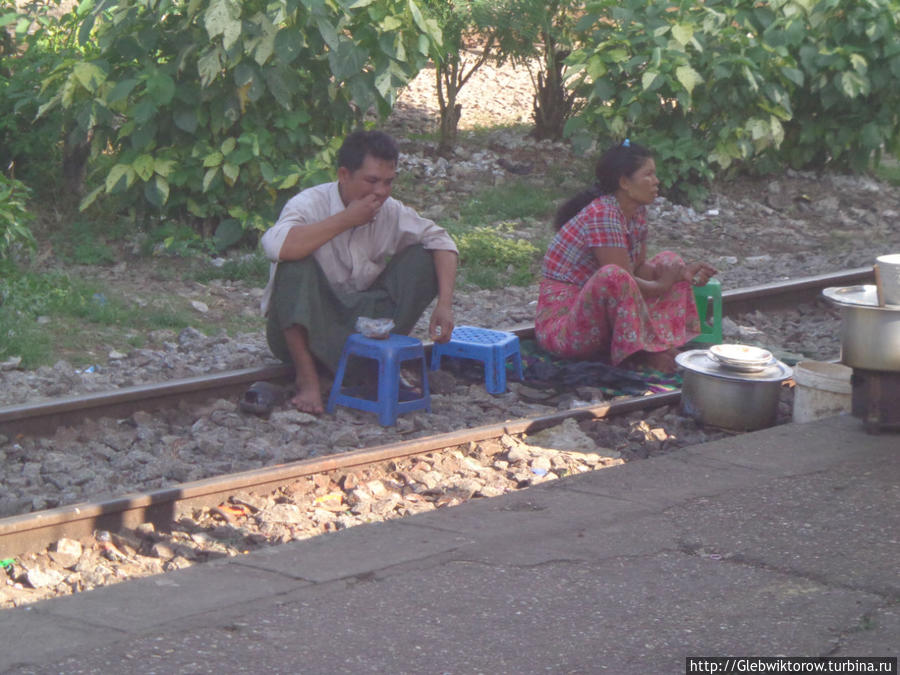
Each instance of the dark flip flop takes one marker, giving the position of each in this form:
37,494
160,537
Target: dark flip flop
261,398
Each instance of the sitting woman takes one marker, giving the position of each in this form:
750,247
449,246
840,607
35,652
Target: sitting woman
600,298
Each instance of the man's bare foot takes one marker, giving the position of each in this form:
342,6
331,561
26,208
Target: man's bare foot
308,399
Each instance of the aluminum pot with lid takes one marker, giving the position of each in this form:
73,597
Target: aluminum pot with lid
870,335
717,396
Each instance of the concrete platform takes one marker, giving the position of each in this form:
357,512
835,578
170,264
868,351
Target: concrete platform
781,542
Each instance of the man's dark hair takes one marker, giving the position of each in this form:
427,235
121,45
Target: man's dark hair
361,143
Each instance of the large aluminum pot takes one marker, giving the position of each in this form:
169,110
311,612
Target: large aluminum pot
718,397
870,335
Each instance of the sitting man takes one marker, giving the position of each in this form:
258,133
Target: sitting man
348,249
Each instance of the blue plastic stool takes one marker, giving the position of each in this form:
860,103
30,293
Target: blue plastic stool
702,296
491,347
390,353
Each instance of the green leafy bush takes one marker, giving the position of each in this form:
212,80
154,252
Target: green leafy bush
15,218
737,83
210,111
31,46
691,80
845,96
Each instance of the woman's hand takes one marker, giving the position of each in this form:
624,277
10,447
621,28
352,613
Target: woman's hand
668,272
698,273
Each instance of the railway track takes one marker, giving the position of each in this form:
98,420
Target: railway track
44,417
35,531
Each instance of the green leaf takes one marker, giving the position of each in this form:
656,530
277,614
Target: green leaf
186,119
794,75
119,178
651,80
213,159
89,75
228,145
328,33
164,167
243,74
383,83
231,172
604,89
617,55
208,177
361,92
289,43
161,87
209,65
757,128
859,63
266,45
348,60
596,67
228,233
156,191
852,84
390,24
84,31
144,167
682,33
417,17
278,87
688,77
289,181
222,17
90,198
195,209
121,90
144,111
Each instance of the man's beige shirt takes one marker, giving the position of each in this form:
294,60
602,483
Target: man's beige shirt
353,259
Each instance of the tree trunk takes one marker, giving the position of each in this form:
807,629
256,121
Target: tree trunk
450,111
552,102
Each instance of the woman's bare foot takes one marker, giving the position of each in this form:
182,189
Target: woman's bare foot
664,362
308,399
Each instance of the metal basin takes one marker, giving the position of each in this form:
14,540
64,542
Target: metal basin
870,335
724,398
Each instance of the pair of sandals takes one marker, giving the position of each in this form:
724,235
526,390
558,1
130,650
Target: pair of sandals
261,398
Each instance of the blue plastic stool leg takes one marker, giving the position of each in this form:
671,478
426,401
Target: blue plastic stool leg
495,371
338,381
388,391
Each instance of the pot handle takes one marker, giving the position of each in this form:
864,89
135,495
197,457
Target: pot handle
878,291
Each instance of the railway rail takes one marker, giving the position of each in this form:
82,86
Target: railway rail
33,531
43,418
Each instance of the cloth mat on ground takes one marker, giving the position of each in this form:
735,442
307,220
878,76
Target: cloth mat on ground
543,368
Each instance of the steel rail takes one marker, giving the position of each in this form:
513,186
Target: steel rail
42,418
35,531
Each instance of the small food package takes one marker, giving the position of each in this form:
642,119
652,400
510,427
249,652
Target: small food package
377,329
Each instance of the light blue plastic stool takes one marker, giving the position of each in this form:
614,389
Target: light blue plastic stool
703,296
390,353
491,347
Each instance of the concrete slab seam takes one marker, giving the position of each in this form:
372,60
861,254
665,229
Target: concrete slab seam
867,618
306,582
820,579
